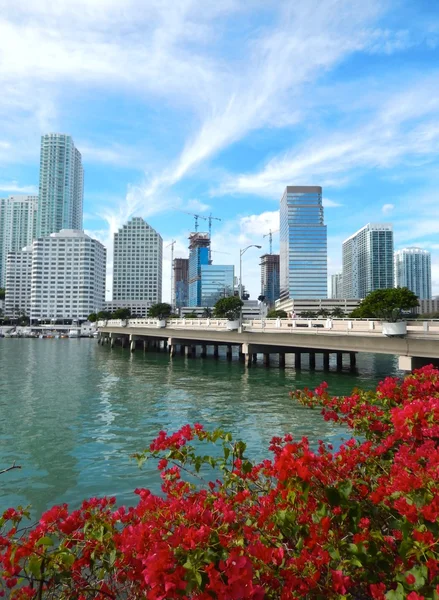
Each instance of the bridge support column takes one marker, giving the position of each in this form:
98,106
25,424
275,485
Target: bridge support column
326,361
312,360
339,360
266,359
203,350
408,363
172,347
297,360
254,357
165,345
182,349
215,351
229,352
246,351
132,343
353,359
281,360
241,356
112,340
123,341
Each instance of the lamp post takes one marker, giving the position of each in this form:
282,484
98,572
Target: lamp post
241,252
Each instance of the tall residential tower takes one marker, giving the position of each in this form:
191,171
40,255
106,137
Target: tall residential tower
137,263
270,278
413,270
17,227
303,244
61,185
368,260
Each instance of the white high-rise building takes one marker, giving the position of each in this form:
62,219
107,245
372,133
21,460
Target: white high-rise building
368,260
17,227
18,283
61,185
413,270
68,276
137,262
337,285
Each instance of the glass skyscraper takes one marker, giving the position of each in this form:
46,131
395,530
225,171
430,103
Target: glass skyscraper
270,278
61,185
199,244
303,244
368,260
181,282
413,270
216,282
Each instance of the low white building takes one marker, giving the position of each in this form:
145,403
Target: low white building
18,283
68,276
315,305
137,307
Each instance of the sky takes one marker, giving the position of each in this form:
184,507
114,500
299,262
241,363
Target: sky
214,107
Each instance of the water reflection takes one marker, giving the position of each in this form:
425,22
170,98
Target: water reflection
72,412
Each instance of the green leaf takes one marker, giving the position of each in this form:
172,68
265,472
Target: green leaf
397,594
44,541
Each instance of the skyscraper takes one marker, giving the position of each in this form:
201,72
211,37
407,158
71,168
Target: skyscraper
18,283
137,262
199,244
216,282
181,282
337,285
61,185
303,244
270,278
17,227
413,270
368,260
68,276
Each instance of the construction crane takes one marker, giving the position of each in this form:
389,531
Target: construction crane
171,245
270,237
210,219
196,217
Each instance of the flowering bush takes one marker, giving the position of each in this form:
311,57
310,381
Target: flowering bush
361,522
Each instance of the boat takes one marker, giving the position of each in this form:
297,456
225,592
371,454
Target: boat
74,333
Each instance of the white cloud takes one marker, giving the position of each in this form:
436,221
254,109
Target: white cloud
386,209
394,135
260,224
327,203
13,187
197,206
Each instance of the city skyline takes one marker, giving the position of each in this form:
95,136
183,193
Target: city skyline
218,110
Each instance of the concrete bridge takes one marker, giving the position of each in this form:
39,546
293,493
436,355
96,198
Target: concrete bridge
419,346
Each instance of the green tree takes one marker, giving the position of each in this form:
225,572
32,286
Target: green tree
323,312
338,313
121,313
2,293
308,314
207,312
228,308
103,315
274,314
386,305
160,311
92,318
191,315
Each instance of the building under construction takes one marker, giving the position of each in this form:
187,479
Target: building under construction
181,282
270,278
199,245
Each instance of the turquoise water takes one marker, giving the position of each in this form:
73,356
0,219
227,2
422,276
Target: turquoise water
72,412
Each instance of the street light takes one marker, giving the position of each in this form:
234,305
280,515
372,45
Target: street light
241,252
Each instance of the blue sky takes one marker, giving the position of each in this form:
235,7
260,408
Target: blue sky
217,106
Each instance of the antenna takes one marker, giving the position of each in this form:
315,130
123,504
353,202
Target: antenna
171,245
210,219
270,237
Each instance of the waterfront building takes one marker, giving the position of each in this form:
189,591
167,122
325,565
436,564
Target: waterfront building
137,263
270,286
181,282
139,308
18,283
61,188
337,285
303,244
428,307
68,276
368,260
347,305
17,227
199,244
412,269
216,282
